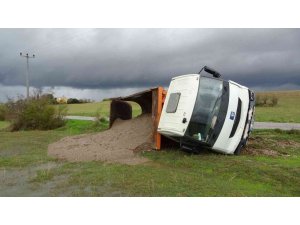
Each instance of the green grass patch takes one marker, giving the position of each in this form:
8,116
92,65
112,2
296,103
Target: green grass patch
174,173
43,176
81,126
4,125
287,110
92,109
169,172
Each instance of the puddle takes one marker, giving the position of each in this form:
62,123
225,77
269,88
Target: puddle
16,182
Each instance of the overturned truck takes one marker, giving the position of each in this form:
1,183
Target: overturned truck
198,111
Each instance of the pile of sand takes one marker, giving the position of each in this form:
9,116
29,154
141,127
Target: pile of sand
117,144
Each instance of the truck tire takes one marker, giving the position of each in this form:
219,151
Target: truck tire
240,147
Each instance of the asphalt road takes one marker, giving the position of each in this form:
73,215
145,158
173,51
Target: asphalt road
257,125
272,125
80,118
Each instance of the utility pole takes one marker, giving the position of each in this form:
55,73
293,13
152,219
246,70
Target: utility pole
27,76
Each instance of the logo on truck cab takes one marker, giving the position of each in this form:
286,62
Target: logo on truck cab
232,115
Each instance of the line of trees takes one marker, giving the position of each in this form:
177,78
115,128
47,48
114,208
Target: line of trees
78,101
52,100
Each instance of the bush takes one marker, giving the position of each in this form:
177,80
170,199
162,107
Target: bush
85,101
266,100
258,101
274,100
32,114
77,101
73,101
100,120
50,98
2,112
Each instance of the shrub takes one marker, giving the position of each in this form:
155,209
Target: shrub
35,113
85,101
2,112
266,100
73,101
258,101
99,120
50,98
293,131
274,100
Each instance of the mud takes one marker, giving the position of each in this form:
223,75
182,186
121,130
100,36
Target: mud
17,182
259,151
118,144
265,148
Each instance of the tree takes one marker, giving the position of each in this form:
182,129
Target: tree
73,101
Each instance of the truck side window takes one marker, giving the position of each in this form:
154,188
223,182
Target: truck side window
173,102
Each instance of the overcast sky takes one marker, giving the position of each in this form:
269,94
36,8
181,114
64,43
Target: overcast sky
100,63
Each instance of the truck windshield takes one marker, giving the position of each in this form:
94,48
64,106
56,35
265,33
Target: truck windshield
206,108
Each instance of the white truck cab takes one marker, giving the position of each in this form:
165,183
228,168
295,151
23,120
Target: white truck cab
204,111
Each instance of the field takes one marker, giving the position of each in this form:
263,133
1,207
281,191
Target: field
92,109
268,167
3,124
287,110
26,170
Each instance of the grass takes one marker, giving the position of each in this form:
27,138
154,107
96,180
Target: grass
169,172
42,176
287,110
80,126
91,109
3,124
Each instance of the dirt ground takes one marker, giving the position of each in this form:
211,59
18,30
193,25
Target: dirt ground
260,151
118,144
266,148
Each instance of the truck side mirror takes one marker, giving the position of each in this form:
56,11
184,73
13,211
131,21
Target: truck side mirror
211,71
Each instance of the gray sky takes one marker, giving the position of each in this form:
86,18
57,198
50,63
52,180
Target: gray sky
99,63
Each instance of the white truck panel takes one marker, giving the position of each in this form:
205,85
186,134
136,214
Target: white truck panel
224,143
171,123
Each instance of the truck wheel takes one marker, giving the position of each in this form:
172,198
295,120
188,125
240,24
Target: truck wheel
241,145
239,148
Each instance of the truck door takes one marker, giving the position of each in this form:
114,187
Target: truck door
179,104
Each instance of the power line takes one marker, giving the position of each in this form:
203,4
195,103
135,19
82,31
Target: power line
27,56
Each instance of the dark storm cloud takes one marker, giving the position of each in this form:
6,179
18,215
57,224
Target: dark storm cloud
116,58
